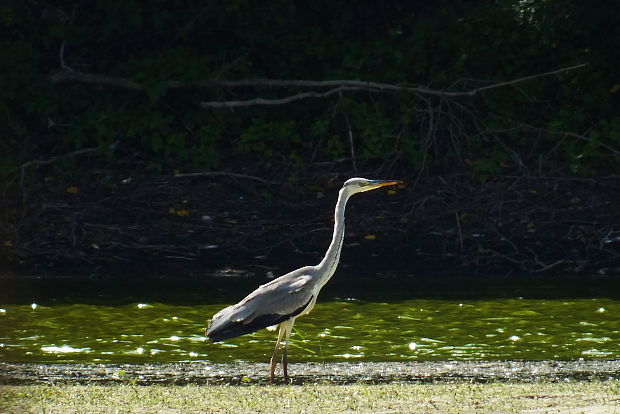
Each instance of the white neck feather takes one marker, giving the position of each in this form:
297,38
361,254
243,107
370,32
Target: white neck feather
328,265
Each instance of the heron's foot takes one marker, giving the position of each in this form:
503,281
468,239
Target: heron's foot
272,376
272,371
287,380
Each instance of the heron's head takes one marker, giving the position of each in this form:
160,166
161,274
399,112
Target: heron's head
358,185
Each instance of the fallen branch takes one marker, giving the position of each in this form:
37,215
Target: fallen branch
67,75
68,155
526,78
382,86
72,154
352,85
546,267
278,101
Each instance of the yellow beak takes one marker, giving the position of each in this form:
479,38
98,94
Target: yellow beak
383,183
380,183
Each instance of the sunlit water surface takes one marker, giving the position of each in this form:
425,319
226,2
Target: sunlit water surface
117,329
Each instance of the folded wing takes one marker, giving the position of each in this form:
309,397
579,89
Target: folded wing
270,304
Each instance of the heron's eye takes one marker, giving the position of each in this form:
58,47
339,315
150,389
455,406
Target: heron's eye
362,183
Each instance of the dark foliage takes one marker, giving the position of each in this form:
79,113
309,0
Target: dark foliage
94,91
456,45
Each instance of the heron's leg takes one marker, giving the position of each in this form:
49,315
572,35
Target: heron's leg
288,326
274,357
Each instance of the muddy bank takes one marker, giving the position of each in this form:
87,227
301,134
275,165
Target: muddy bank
195,225
234,226
308,373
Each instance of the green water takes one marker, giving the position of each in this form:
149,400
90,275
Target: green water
118,325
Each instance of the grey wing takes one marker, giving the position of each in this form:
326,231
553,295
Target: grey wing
270,304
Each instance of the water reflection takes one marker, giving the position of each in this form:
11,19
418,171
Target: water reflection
63,349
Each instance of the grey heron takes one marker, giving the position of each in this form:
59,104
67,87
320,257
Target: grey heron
288,297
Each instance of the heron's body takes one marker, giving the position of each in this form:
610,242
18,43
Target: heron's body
288,297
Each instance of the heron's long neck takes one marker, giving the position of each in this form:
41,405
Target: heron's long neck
330,261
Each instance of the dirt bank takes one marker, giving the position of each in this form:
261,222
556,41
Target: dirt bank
333,373
459,223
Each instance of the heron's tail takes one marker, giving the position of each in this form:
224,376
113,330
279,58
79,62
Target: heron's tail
219,330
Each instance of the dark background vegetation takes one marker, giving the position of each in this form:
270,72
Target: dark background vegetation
105,106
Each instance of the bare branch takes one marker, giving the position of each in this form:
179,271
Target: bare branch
526,78
565,134
65,156
351,142
352,85
287,83
277,101
584,138
69,76
61,54
383,86
458,226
